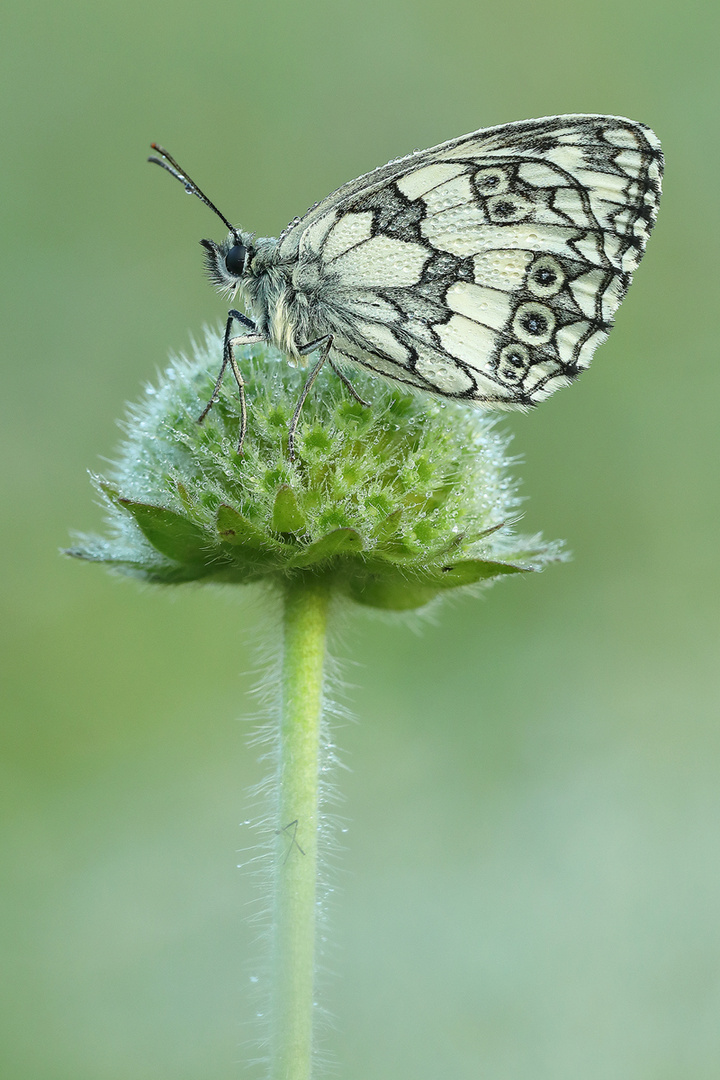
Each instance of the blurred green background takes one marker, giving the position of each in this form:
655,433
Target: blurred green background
530,889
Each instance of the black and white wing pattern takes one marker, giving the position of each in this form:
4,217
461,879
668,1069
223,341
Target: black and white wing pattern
489,268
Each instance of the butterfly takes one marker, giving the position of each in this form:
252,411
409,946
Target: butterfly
486,270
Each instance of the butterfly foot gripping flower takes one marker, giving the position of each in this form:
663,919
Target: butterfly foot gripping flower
391,506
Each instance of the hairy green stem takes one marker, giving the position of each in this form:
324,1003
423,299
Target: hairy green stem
295,870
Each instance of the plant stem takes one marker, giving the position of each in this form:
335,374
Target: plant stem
295,868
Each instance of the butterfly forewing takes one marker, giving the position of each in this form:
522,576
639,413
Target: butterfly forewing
488,268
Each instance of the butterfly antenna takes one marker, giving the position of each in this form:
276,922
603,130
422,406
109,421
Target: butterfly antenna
167,162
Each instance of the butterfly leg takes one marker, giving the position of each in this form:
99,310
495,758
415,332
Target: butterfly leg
324,344
344,379
229,358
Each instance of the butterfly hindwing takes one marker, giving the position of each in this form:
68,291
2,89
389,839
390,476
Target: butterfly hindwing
488,268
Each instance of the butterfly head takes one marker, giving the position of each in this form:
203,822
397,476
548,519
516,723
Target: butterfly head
225,263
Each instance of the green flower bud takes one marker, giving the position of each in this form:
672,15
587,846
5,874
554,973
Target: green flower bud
391,505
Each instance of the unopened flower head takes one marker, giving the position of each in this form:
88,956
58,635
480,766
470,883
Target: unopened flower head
393,504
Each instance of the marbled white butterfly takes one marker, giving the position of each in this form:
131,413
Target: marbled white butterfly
487,269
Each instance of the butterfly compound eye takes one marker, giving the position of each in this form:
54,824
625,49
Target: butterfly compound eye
235,260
